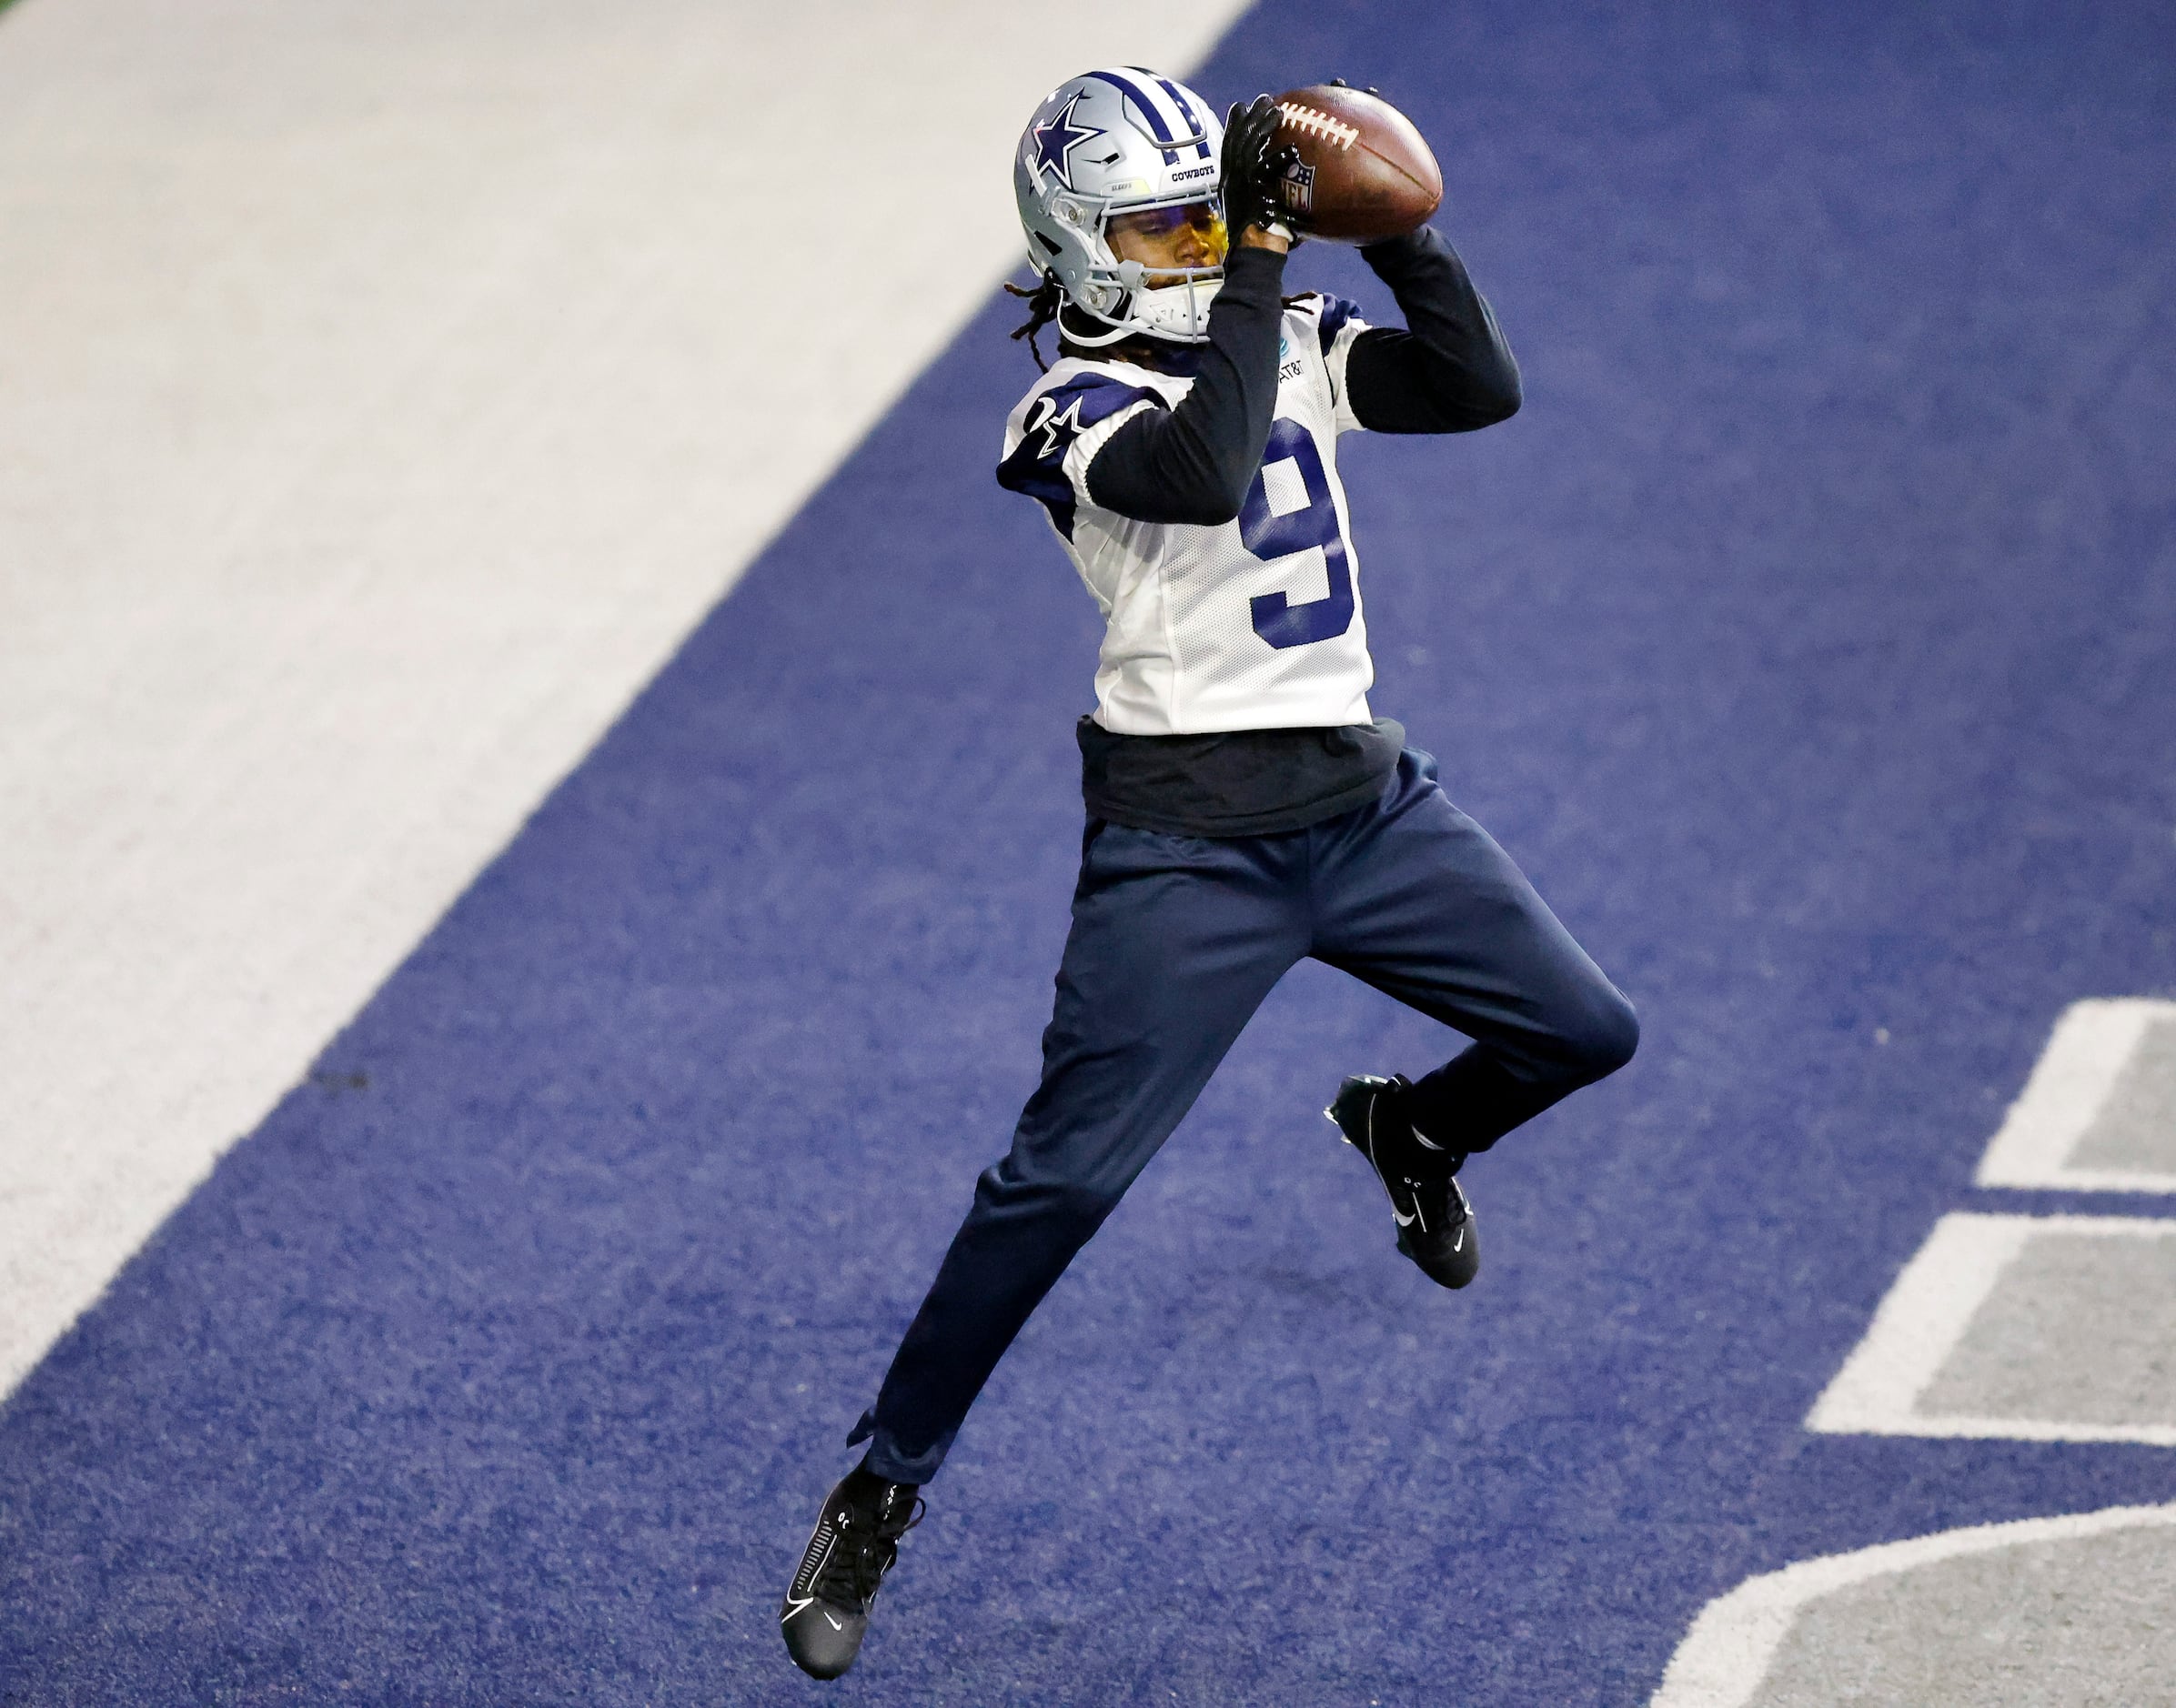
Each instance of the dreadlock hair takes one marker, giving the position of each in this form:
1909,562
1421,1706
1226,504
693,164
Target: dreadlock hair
1042,302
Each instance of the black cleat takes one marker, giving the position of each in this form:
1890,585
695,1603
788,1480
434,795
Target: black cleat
1435,1224
856,1542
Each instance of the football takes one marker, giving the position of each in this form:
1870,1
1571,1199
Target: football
1364,173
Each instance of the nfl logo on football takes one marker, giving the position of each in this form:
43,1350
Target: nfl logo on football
1299,187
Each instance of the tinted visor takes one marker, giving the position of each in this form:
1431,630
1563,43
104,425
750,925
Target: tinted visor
1154,235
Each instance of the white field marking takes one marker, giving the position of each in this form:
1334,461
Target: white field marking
386,388
1927,1311
2092,1045
1729,1651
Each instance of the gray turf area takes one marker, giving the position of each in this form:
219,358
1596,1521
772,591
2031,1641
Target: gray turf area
373,425
2083,1623
2082,1329
2137,1126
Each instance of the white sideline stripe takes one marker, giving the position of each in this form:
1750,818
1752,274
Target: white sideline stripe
1926,1313
2095,1180
1731,1645
2090,1045
386,388
1964,1426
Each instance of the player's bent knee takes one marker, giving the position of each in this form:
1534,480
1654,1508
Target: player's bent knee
1614,1039
1602,1039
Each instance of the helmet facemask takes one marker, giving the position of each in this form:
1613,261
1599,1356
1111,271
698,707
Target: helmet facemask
1166,295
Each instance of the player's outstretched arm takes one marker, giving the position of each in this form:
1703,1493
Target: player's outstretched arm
1450,370
1195,463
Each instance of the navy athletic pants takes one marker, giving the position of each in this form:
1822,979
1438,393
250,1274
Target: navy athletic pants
1175,941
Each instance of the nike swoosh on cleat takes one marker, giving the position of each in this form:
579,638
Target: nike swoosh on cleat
835,1624
801,1603
1404,1222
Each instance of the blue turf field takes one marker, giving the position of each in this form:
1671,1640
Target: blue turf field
1809,638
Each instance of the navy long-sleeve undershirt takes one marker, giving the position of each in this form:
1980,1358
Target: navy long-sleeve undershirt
1449,371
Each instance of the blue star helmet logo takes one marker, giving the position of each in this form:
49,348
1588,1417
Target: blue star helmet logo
1057,139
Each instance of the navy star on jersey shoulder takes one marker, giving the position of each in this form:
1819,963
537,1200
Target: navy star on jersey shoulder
1056,417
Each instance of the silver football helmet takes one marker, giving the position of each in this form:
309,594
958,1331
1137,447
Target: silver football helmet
1108,145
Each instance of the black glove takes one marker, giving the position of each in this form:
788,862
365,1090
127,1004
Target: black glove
1255,167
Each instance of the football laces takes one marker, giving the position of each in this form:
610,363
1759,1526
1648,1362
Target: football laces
1315,121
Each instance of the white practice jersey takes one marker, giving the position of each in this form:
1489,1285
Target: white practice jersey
1253,624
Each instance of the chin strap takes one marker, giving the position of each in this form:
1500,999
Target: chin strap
1104,332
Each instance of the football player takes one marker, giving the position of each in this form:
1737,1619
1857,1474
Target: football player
1245,807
